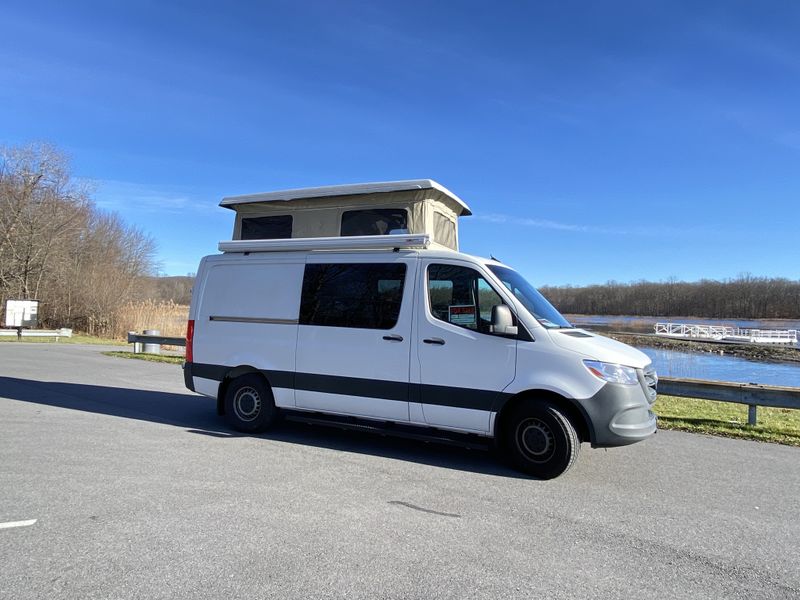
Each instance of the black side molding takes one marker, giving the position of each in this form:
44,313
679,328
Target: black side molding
392,429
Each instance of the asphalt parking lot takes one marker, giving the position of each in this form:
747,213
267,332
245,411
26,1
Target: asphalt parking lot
138,490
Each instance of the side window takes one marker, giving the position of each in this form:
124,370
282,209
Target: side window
444,230
366,296
267,228
461,296
374,221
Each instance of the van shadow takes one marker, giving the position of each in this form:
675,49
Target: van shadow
197,415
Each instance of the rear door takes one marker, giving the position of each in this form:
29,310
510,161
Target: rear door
461,368
354,337
245,312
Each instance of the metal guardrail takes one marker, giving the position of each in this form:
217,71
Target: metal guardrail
151,340
139,338
752,394
20,333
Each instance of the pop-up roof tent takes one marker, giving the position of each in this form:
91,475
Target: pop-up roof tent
415,206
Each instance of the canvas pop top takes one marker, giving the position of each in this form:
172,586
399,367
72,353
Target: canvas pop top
419,206
353,306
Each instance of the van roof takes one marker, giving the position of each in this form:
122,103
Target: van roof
354,189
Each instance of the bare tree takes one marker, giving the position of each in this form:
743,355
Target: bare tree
57,247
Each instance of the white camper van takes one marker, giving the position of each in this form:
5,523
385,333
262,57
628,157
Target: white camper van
352,305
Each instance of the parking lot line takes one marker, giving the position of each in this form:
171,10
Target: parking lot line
11,524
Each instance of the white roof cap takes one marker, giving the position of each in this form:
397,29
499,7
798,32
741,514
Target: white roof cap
346,190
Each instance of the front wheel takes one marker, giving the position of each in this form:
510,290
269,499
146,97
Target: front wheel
249,404
539,440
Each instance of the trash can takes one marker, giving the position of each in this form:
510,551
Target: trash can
152,348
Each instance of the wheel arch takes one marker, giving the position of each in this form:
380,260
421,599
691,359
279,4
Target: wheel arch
230,375
571,409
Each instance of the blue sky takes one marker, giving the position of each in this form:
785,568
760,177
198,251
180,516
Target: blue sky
593,141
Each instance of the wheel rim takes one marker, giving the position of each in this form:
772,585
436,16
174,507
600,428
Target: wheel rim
535,440
247,404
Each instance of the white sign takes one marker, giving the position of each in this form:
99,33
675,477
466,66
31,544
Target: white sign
22,313
463,314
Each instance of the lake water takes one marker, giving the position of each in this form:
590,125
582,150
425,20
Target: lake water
704,365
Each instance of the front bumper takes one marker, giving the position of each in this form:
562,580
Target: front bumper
622,414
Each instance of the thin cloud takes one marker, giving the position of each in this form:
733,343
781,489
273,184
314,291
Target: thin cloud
128,196
789,138
765,126
547,224
656,230
769,49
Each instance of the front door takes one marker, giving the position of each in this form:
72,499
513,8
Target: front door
354,338
461,367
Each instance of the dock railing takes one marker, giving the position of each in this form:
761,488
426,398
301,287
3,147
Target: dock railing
722,333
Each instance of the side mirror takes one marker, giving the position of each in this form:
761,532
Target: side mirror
503,321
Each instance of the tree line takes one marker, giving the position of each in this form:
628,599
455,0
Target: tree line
56,246
745,297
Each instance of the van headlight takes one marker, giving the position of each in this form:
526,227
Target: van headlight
612,373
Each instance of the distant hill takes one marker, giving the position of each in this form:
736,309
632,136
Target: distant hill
177,289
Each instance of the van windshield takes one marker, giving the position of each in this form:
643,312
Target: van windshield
537,305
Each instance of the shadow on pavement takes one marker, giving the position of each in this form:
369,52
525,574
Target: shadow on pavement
197,414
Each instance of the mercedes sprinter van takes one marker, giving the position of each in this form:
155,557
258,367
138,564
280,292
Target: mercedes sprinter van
393,327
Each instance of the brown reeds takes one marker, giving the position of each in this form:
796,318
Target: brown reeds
165,316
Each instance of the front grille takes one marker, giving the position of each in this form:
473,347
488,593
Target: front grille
650,383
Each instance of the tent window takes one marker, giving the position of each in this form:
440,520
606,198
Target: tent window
375,221
267,228
444,230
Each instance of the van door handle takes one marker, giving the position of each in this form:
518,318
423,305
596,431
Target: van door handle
435,341
393,338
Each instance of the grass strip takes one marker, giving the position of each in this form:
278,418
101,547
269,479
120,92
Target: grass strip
163,358
728,419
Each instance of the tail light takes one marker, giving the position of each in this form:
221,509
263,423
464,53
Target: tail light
189,340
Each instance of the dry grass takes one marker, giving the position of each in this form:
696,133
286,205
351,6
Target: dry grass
167,317
164,358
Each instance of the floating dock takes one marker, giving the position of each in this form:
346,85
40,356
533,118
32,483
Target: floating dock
729,335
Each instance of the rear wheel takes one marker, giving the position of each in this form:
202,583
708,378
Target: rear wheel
539,440
249,404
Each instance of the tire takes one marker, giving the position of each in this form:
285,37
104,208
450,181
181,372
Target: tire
249,404
539,440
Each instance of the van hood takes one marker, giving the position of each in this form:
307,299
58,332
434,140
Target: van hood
597,347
